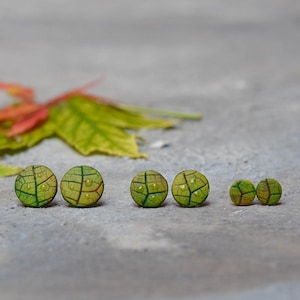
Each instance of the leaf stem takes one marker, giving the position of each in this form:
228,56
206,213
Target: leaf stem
166,113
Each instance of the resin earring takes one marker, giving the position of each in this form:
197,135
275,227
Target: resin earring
269,191
82,186
242,192
149,189
190,188
36,186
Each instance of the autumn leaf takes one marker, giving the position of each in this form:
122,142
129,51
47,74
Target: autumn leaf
88,123
9,170
94,127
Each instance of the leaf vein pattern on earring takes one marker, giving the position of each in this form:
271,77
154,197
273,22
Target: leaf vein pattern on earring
242,192
82,186
269,191
190,188
36,186
148,189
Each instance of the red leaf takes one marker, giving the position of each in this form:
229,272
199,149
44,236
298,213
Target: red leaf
29,121
15,112
22,93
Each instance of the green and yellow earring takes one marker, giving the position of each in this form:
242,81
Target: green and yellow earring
149,189
190,188
269,191
82,186
36,186
242,192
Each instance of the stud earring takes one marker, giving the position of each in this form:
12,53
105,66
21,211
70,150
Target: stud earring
269,191
36,186
242,192
149,189
82,186
190,188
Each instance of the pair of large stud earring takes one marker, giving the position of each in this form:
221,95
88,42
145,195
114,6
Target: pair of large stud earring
149,188
81,186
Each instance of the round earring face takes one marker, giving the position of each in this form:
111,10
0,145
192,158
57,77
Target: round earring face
149,189
36,186
190,188
242,192
269,191
82,186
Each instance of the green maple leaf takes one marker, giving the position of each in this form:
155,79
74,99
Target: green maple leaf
92,127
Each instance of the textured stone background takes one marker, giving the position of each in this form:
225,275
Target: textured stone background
236,62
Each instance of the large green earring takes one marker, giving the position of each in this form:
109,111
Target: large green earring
36,186
82,186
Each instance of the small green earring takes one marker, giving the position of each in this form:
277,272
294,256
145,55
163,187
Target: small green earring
242,192
82,186
190,188
149,189
269,191
36,186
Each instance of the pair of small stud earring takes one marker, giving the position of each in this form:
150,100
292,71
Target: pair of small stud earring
149,188
243,192
81,186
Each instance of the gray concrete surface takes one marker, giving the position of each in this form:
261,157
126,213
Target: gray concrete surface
236,62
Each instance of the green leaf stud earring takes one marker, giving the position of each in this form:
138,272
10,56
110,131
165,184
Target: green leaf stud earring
269,191
36,186
82,186
190,188
242,192
149,189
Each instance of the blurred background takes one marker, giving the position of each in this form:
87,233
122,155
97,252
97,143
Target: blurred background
170,49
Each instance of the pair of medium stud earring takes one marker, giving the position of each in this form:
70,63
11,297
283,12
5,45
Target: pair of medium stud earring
149,188
243,192
81,186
